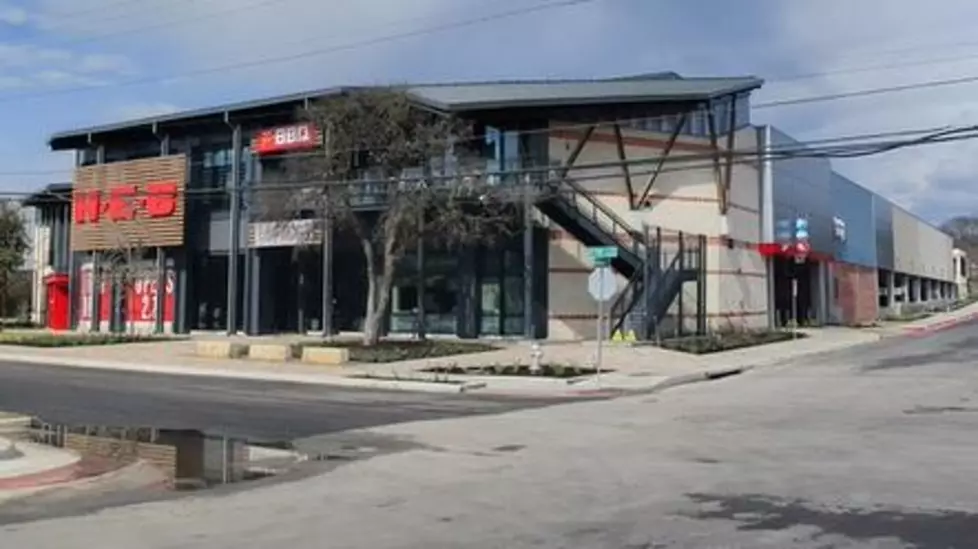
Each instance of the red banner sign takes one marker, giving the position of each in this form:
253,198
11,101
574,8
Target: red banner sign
121,202
141,298
287,138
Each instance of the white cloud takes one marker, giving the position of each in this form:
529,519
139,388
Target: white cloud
104,63
63,78
13,15
838,35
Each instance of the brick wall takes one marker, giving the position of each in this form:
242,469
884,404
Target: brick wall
125,451
858,294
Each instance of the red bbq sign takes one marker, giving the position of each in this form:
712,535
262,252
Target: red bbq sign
286,138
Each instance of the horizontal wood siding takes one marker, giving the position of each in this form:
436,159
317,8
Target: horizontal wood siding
143,230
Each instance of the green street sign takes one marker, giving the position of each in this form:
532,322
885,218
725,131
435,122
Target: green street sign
603,255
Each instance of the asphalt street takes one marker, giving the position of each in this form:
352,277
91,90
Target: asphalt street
871,448
257,411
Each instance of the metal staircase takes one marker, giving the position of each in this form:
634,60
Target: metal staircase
656,272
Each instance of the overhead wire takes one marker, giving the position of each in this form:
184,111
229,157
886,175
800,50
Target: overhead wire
687,163
271,60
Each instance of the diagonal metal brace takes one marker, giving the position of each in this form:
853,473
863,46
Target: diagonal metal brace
662,161
581,143
620,142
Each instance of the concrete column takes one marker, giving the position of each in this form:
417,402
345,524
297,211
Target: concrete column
890,290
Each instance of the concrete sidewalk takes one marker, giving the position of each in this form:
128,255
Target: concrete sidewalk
934,323
628,368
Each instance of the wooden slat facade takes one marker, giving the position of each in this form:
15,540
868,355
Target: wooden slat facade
143,231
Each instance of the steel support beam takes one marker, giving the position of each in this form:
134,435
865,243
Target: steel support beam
529,330
234,230
420,320
662,161
159,313
578,148
620,143
327,291
731,143
717,169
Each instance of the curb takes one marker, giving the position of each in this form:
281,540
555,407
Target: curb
475,388
922,331
697,377
308,379
41,479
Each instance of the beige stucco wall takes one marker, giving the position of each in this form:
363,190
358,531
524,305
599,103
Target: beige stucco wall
683,198
921,249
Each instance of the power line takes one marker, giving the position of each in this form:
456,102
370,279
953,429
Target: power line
687,163
99,9
553,129
870,68
868,92
203,17
317,52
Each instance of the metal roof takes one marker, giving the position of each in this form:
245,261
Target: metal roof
56,193
652,88
472,96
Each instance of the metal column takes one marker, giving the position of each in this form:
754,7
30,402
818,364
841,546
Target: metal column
701,308
234,231
327,294
420,288
96,316
159,313
529,327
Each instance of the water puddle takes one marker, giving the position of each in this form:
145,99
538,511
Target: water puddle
188,459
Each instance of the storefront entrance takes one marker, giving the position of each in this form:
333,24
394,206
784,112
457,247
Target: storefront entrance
787,269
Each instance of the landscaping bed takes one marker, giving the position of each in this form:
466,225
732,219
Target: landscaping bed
396,351
75,340
717,343
558,371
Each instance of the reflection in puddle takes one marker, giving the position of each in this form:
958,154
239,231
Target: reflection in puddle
188,459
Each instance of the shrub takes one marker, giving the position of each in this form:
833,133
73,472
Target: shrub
719,342
75,340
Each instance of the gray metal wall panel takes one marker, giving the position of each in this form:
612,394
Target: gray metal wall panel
802,187
883,221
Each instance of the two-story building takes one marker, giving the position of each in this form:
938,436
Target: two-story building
163,232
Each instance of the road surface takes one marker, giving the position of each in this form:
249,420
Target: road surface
874,447
254,410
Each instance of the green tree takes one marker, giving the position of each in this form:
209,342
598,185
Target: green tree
382,175
13,246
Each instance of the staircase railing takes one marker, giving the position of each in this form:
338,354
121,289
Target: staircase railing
602,216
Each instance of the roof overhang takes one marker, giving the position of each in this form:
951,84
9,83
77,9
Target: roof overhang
457,98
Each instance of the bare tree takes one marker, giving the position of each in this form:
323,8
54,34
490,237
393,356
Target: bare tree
386,174
124,266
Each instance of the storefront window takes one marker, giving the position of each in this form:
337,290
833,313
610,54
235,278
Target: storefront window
440,296
501,308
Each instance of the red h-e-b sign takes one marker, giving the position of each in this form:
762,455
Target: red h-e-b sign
287,138
120,203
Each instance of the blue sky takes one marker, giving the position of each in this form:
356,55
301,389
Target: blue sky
65,63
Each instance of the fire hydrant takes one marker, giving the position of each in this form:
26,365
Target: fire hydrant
536,353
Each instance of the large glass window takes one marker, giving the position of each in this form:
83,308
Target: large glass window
441,289
501,291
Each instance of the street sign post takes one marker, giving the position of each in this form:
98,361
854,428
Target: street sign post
602,255
602,286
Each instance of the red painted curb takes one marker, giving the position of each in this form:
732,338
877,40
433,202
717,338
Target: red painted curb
922,331
84,468
43,478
